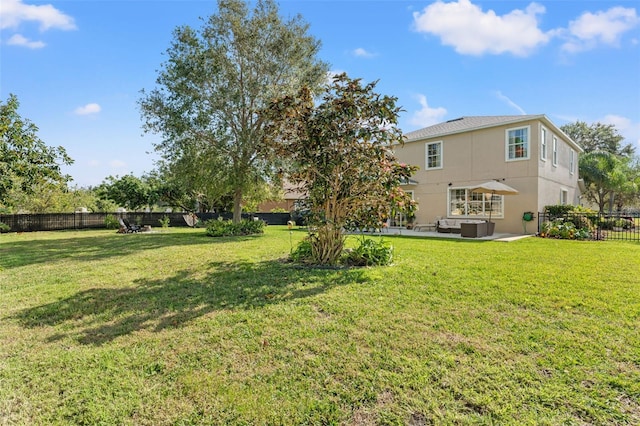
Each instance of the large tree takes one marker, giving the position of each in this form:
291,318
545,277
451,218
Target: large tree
598,137
215,81
127,191
604,175
607,165
341,152
26,162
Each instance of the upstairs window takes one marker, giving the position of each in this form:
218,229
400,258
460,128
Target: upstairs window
554,153
543,144
518,143
434,155
572,162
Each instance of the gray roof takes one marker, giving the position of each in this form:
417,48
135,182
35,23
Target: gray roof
465,124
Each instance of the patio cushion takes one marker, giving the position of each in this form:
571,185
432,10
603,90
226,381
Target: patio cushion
448,225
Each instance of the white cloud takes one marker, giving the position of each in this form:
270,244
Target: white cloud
14,12
627,128
426,116
88,109
510,102
601,28
117,164
472,31
20,40
93,163
362,53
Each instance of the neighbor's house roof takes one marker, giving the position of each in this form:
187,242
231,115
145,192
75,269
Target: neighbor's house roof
466,124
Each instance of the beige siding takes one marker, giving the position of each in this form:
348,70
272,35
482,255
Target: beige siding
473,157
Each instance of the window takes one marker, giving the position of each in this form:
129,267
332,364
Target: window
572,162
434,155
543,144
518,144
564,197
554,153
464,203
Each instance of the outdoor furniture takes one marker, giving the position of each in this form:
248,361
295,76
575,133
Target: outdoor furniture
424,227
126,227
454,225
473,230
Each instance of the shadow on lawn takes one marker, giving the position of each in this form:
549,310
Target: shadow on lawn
89,248
100,315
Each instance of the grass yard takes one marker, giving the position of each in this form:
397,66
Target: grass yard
176,328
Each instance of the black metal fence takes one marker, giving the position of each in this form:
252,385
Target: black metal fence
594,226
62,221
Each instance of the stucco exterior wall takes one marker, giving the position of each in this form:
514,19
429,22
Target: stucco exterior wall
474,157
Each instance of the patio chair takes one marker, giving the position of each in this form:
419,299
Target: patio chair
126,227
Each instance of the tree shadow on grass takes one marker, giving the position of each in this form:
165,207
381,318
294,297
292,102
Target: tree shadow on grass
100,315
91,247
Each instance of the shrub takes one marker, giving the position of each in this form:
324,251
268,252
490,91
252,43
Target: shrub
303,252
226,228
165,221
4,227
559,228
111,222
612,223
370,253
558,210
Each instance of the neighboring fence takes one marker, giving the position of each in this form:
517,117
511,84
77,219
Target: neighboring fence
618,226
61,221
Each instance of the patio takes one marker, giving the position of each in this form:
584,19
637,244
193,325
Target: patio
433,234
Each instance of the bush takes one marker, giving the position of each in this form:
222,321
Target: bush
562,229
558,210
226,228
303,252
4,227
111,222
370,253
612,223
165,221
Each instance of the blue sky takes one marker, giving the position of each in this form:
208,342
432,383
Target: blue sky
77,66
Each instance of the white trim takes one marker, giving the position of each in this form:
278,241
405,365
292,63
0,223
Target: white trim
564,196
426,155
572,161
554,151
544,147
485,202
528,144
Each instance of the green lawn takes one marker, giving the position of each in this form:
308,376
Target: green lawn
178,328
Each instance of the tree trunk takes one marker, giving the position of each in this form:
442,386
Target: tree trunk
237,205
327,247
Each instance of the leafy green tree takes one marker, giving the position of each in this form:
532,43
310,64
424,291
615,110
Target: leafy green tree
214,83
629,192
598,137
127,191
607,164
26,162
186,183
341,153
604,174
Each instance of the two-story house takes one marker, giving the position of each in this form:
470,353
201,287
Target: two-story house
526,152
